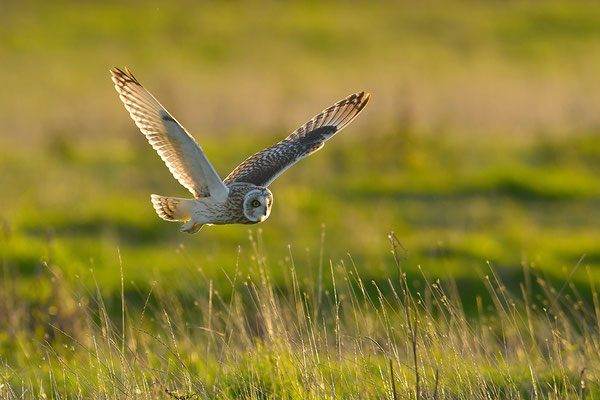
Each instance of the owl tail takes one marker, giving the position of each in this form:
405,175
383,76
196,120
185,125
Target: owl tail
175,209
172,208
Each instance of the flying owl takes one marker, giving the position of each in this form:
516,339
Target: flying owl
242,197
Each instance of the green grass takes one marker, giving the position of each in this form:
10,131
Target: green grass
479,149
301,340
513,208
508,205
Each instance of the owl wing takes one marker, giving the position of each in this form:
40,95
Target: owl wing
263,167
180,152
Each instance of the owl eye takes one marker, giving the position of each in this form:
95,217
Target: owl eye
256,203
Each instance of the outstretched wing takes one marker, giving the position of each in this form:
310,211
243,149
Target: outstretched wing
183,156
263,167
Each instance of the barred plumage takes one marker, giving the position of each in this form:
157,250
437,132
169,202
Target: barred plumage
263,167
183,156
165,207
243,197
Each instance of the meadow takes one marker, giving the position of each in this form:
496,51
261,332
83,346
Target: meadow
479,150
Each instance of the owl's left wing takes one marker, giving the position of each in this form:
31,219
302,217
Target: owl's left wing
178,149
263,167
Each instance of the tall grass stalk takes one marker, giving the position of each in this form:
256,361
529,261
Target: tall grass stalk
403,340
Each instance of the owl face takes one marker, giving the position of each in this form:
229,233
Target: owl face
257,204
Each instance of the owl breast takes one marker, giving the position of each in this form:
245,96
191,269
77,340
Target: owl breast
234,205
238,208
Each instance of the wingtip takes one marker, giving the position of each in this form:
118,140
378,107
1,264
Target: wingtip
126,75
362,93
362,99
359,97
115,71
117,74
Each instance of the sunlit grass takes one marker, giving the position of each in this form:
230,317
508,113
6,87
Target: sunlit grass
518,202
479,148
509,68
337,335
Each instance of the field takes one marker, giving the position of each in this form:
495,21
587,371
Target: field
455,225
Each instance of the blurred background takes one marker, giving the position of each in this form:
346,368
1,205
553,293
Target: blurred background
480,144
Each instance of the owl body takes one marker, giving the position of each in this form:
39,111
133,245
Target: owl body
246,203
242,197
237,208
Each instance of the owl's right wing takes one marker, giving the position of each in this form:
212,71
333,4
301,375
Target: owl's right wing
263,167
180,152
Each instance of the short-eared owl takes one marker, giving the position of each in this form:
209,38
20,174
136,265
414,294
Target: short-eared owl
243,197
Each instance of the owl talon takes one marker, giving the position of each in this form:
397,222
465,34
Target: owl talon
191,228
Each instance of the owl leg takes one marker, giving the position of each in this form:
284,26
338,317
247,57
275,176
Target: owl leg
191,227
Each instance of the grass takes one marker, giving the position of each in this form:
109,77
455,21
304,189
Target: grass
480,149
300,340
509,205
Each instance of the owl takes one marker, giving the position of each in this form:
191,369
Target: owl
242,197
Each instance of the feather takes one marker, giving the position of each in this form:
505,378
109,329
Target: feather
263,167
180,152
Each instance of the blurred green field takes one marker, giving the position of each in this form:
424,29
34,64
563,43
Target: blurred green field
480,145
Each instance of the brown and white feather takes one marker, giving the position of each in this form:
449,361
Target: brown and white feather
263,167
178,149
242,198
165,207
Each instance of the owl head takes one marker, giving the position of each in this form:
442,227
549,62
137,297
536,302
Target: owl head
257,204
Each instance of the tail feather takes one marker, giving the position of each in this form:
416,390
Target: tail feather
171,208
